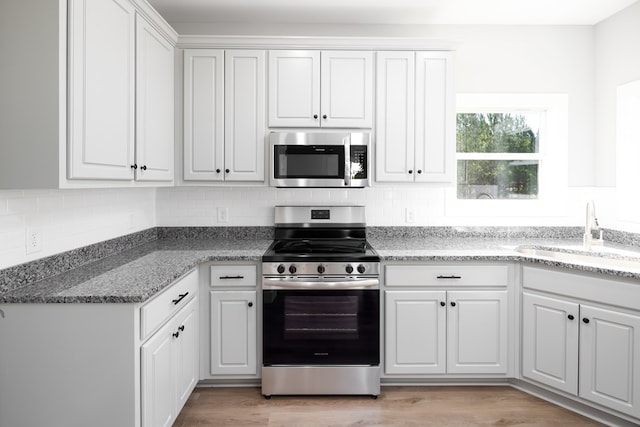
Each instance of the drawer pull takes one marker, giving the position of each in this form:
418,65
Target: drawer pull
180,298
231,277
449,277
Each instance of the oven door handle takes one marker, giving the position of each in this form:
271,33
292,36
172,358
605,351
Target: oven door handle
287,283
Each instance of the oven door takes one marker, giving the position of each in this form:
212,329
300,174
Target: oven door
321,327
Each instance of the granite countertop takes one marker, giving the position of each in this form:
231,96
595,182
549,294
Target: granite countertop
134,275
137,274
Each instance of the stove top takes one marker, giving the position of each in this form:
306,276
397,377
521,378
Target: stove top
320,251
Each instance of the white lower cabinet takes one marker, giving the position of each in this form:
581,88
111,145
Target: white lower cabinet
169,367
232,323
587,349
447,330
233,333
437,332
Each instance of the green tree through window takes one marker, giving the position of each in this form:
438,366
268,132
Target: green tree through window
497,155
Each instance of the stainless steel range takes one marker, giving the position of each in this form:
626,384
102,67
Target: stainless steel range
321,304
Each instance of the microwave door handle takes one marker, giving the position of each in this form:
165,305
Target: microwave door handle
347,164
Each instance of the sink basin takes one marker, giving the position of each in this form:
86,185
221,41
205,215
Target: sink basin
602,258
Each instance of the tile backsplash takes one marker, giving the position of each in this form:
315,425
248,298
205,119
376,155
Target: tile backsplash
69,219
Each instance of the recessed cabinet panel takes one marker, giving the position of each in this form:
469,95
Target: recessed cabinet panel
203,114
550,341
244,115
435,142
154,104
477,332
346,89
294,88
395,115
233,333
101,89
610,359
415,332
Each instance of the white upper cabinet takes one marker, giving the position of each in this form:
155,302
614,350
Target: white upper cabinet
244,111
101,89
203,114
415,116
154,104
224,115
331,89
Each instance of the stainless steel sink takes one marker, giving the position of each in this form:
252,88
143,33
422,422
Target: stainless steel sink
602,258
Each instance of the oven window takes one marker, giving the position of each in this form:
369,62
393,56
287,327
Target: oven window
321,317
309,161
326,327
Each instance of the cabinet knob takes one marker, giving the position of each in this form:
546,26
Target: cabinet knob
134,166
419,171
143,167
410,171
570,317
217,170
585,320
324,116
315,116
453,303
176,334
181,328
442,303
227,170
250,304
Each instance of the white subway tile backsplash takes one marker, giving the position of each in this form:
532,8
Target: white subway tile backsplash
70,218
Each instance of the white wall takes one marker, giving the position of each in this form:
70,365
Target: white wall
70,219
617,63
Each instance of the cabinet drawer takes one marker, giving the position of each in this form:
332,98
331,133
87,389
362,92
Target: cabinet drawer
162,307
447,275
233,275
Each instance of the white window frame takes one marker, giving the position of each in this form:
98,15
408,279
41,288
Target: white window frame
552,157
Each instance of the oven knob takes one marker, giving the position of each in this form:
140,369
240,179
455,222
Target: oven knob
349,269
321,269
292,269
361,269
280,269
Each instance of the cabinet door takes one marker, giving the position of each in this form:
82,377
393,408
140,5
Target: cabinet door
346,97
477,332
610,359
233,333
244,115
186,352
435,114
395,114
154,104
550,341
294,88
101,89
415,332
158,389
203,114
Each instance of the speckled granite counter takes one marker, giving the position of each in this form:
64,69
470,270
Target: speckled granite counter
134,275
443,249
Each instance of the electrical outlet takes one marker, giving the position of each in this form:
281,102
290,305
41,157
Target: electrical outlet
33,240
223,214
410,215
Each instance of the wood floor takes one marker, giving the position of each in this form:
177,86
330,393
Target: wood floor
396,406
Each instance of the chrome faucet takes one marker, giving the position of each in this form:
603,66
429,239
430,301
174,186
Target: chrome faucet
591,226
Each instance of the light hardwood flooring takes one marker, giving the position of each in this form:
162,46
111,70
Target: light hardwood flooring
396,406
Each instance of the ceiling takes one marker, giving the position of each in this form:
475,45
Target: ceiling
416,12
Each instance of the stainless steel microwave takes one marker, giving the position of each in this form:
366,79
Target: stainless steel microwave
319,159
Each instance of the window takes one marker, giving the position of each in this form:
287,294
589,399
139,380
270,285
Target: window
512,157
498,154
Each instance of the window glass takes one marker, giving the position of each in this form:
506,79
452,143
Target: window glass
498,154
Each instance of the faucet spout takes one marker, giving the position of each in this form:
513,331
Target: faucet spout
592,227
